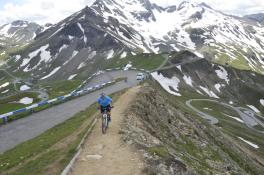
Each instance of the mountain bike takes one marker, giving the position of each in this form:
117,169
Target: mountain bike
105,120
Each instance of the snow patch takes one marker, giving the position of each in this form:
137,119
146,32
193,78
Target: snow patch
81,65
253,108
82,29
123,55
72,77
64,46
92,55
199,54
71,37
26,101
261,102
222,74
17,57
4,92
74,53
51,73
188,80
250,143
235,118
179,67
44,56
110,54
4,85
128,66
24,88
199,92
208,92
167,83
217,87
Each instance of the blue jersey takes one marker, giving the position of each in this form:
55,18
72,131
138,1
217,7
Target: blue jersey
104,102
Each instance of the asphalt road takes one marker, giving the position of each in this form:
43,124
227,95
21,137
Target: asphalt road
29,127
205,116
108,76
247,115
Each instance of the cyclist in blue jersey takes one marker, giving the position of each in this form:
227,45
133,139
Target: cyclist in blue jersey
105,104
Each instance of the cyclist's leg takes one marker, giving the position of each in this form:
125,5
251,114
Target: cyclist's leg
102,111
109,112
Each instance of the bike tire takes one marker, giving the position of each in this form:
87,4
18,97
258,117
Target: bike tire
103,127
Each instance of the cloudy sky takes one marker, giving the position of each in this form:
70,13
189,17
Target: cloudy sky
43,11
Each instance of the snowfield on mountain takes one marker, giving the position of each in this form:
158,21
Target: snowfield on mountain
118,29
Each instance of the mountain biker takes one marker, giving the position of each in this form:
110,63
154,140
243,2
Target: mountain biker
105,104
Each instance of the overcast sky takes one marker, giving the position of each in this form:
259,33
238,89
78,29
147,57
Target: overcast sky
43,11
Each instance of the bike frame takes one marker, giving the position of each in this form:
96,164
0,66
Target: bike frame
104,121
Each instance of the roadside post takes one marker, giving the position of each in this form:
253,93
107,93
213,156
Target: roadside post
5,120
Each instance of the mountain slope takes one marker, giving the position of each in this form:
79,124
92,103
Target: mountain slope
18,32
174,140
81,43
75,44
256,17
192,26
199,76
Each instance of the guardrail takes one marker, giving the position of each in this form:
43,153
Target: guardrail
5,116
107,70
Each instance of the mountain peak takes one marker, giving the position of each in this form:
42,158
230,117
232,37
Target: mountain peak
259,17
19,23
205,5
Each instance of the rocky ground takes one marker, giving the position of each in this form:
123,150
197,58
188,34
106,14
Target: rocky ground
176,142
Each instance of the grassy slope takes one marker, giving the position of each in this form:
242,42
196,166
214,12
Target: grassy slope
233,127
40,145
51,151
141,61
240,62
62,87
9,104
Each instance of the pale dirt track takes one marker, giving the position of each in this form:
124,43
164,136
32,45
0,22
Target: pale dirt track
108,154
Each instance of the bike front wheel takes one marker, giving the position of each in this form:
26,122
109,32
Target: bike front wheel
104,125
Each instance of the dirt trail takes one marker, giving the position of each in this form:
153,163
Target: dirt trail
108,154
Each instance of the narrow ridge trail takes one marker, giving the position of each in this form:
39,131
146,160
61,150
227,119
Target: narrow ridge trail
108,154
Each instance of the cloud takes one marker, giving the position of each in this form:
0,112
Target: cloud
43,11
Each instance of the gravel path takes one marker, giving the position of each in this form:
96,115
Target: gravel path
108,154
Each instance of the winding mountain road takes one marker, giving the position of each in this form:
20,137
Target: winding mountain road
43,95
247,115
29,127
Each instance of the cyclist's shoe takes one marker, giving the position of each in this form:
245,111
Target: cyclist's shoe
109,119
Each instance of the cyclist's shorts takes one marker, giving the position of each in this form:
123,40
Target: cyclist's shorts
107,108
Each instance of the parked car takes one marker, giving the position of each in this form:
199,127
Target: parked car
140,76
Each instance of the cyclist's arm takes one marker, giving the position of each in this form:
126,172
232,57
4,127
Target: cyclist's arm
98,104
111,101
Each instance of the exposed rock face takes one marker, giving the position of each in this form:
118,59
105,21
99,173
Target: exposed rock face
176,142
111,28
